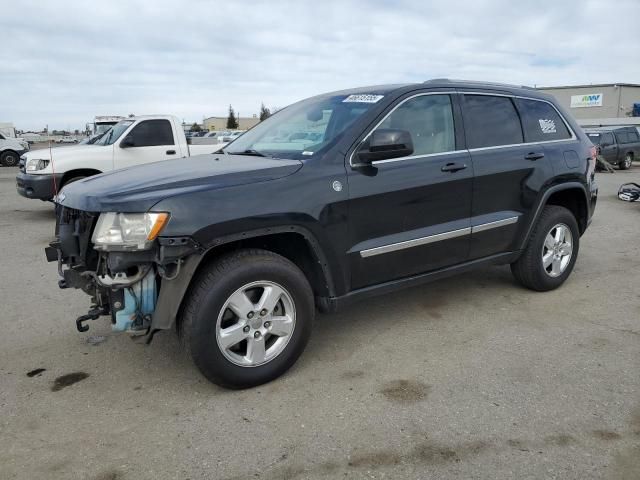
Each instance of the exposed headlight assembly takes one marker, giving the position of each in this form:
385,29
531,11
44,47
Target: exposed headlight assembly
128,231
36,164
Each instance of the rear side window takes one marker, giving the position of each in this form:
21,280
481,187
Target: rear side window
151,133
632,136
491,121
541,122
622,137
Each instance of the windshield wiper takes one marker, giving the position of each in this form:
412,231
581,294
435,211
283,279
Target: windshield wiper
249,151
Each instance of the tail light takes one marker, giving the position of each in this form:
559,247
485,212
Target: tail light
593,155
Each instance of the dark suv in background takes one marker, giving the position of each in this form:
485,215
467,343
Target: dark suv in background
331,200
618,145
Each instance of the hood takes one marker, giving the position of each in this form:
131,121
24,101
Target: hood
59,153
137,189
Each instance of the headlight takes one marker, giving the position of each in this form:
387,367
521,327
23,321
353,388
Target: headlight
35,164
128,231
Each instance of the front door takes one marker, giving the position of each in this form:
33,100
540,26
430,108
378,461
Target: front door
148,141
410,215
608,147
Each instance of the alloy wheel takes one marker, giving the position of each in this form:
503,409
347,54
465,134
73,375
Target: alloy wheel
557,250
255,323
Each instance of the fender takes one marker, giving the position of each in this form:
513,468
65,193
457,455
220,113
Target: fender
172,291
543,202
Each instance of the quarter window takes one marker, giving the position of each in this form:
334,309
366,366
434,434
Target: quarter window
151,133
429,120
541,122
491,121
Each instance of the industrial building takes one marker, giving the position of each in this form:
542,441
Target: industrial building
220,123
600,104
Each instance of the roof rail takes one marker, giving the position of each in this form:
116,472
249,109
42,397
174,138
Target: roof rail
473,82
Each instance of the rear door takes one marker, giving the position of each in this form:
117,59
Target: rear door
152,140
508,173
410,215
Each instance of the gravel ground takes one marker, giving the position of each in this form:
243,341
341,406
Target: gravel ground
470,377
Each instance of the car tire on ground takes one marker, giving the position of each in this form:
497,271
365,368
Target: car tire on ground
9,159
551,252
626,163
247,318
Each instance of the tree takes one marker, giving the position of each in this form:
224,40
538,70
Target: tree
264,112
195,127
232,120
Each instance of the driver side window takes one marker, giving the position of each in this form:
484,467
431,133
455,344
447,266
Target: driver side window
429,120
151,133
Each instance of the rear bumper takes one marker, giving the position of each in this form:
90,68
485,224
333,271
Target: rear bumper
37,186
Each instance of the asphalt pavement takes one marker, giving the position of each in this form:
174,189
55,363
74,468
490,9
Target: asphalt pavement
472,377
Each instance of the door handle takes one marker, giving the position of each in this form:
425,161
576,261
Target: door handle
534,156
170,152
453,167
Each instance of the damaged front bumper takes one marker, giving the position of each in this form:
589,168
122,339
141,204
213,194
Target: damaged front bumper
127,286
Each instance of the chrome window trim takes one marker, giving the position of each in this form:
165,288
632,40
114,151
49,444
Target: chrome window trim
416,242
478,149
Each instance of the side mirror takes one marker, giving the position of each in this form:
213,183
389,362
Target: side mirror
384,144
128,141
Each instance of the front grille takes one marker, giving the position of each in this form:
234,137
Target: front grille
73,230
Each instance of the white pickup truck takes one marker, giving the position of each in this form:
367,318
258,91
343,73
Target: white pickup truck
133,141
10,150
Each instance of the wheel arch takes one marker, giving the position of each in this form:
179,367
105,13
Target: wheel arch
295,243
571,195
77,172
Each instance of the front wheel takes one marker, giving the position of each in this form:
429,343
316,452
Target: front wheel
248,318
551,253
9,159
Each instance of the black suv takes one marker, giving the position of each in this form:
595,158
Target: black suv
618,145
333,199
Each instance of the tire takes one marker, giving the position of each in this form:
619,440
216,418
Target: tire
626,163
9,159
72,179
531,269
207,313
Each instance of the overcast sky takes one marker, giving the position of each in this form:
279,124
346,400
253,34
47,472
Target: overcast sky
62,63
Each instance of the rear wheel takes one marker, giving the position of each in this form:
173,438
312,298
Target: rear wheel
627,162
9,159
551,253
248,318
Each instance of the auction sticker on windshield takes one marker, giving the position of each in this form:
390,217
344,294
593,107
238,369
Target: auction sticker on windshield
363,98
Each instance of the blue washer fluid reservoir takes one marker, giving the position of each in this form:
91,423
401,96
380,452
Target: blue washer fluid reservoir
139,300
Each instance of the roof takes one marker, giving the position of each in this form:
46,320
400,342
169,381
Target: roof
592,85
607,129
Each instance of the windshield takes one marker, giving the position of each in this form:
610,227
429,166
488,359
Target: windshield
103,127
303,129
114,133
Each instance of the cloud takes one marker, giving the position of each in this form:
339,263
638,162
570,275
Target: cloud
64,64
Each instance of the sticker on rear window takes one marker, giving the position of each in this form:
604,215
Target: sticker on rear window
363,98
547,126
